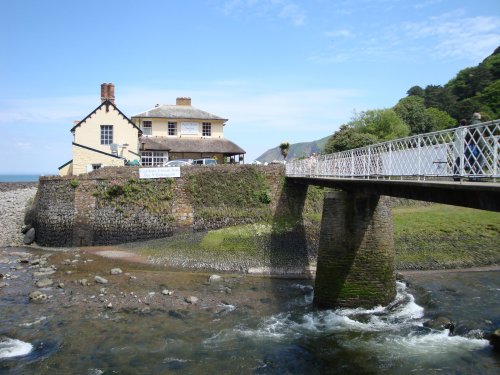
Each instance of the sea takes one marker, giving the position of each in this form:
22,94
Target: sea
19,177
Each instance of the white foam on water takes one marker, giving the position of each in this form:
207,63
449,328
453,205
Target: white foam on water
14,348
422,345
33,323
396,330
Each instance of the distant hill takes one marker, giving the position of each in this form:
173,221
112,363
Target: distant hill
297,150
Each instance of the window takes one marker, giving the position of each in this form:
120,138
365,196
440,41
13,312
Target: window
153,158
172,128
96,166
106,134
147,128
207,129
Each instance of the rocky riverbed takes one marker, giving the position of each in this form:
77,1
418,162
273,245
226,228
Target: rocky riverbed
80,279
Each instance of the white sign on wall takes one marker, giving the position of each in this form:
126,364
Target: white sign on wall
164,172
189,128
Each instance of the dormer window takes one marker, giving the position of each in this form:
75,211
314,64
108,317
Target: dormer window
147,128
207,129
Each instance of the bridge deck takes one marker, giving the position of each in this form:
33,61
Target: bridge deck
481,195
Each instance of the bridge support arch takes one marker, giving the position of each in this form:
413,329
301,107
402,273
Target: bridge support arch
356,251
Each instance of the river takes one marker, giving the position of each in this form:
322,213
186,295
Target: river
243,325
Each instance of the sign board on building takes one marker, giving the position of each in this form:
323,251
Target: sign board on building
189,128
164,172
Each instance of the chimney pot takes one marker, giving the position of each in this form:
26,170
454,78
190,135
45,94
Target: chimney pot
183,101
111,93
104,92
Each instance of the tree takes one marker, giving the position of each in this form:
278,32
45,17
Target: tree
416,91
440,97
439,120
384,124
347,138
470,81
412,111
284,148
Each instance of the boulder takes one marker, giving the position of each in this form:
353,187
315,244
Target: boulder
43,283
440,323
29,237
495,339
3,284
26,228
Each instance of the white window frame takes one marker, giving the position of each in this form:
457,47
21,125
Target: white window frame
154,158
106,135
172,126
147,128
206,129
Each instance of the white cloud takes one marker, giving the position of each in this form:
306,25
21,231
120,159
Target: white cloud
24,145
344,33
453,35
285,9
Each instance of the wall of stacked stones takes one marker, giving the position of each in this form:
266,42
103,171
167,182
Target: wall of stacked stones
55,213
70,211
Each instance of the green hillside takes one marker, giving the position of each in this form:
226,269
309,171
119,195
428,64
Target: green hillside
297,150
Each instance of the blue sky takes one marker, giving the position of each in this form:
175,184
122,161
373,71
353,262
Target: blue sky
279,70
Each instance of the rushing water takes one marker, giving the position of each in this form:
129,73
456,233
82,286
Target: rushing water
281,333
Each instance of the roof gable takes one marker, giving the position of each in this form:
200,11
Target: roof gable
106,103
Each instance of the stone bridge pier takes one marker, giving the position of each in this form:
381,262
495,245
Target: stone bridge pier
356,251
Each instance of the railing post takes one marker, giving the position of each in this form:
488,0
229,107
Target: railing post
390,159
369,166
495,158
352,164
419,156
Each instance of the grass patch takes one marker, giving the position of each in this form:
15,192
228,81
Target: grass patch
441,236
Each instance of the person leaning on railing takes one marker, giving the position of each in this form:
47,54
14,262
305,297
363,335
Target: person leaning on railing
458,147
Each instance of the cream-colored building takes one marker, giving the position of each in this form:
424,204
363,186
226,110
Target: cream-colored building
181,131
106,137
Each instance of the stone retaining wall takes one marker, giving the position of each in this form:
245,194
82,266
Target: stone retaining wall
71,211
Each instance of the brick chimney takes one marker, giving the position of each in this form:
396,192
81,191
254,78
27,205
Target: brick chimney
108,92
111,93
183,101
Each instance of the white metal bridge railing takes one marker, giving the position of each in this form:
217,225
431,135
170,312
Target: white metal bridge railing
468,151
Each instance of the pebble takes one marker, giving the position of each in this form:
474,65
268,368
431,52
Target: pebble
100,280
116,271
191,299
43,283
37,296
3,284
214,278
167,292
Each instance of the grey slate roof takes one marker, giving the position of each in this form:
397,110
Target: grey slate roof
208,145
178,112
